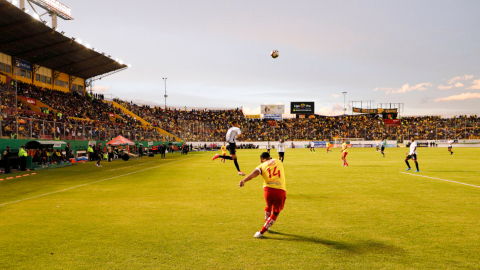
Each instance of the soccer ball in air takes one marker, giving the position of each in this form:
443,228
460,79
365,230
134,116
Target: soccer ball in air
274,54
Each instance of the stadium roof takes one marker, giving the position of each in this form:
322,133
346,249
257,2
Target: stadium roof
29,39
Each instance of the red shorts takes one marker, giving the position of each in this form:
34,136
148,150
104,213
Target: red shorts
344,154
275,199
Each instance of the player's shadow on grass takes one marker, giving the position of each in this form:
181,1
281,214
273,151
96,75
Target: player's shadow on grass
356,248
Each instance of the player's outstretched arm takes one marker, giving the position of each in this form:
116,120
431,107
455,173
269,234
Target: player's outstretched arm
249,177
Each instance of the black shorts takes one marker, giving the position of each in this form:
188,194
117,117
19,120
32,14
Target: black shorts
449,148
413,157
231,148
281,154
383,148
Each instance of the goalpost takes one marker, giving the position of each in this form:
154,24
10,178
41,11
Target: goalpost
338,141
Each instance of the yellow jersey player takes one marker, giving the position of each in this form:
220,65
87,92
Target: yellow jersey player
224,152
273,189
344,153
328,147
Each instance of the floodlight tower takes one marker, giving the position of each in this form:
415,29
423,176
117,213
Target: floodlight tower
165,80
53,7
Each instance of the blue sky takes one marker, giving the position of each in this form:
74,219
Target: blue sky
425,54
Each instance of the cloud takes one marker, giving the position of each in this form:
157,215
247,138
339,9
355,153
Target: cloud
383,88
337,109
462,96
444,87
100,89
247,110
475,85
460,78
458,84
335,96
405,88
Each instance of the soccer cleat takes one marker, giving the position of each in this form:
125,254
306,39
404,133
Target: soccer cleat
241,173
215,157
96,164
417,171
408,169
258,235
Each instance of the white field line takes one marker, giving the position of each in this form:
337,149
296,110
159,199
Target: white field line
442,179
98,181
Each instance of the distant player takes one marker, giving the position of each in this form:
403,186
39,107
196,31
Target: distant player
328,147
224,152
281,150
384,144
378,146
268,147
232,134
312,147
273,189
344,153
450,145
412,154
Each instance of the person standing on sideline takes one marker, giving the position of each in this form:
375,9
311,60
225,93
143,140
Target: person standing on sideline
281,150
23,158
90,153
412,154
273,187
110,153
6,156
163,149
232,134
99,153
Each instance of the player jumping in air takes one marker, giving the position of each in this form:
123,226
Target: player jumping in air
412,154
344,153
273,189
232,134
384,144
224,152
328,147
450,145
312,147
281,150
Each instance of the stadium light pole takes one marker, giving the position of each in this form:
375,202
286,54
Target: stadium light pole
344,95
165,81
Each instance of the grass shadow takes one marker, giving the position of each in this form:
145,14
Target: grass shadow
353,248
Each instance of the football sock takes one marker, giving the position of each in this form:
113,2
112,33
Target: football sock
236,164
416,165
406,161
225,157
267,214
268,223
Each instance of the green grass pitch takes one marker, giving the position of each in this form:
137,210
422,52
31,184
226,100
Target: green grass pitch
187,212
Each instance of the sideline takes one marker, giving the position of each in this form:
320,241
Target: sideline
98,181
442,180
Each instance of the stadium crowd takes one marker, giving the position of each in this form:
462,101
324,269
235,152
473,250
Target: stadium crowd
87,117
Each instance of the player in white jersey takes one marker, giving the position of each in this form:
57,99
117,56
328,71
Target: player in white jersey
268,147
378,146
232,135
450,145
312,147
412,154
281,150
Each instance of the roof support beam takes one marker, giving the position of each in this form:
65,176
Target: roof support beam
43,49
16,25
79,62
95,67
19,41
60,56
